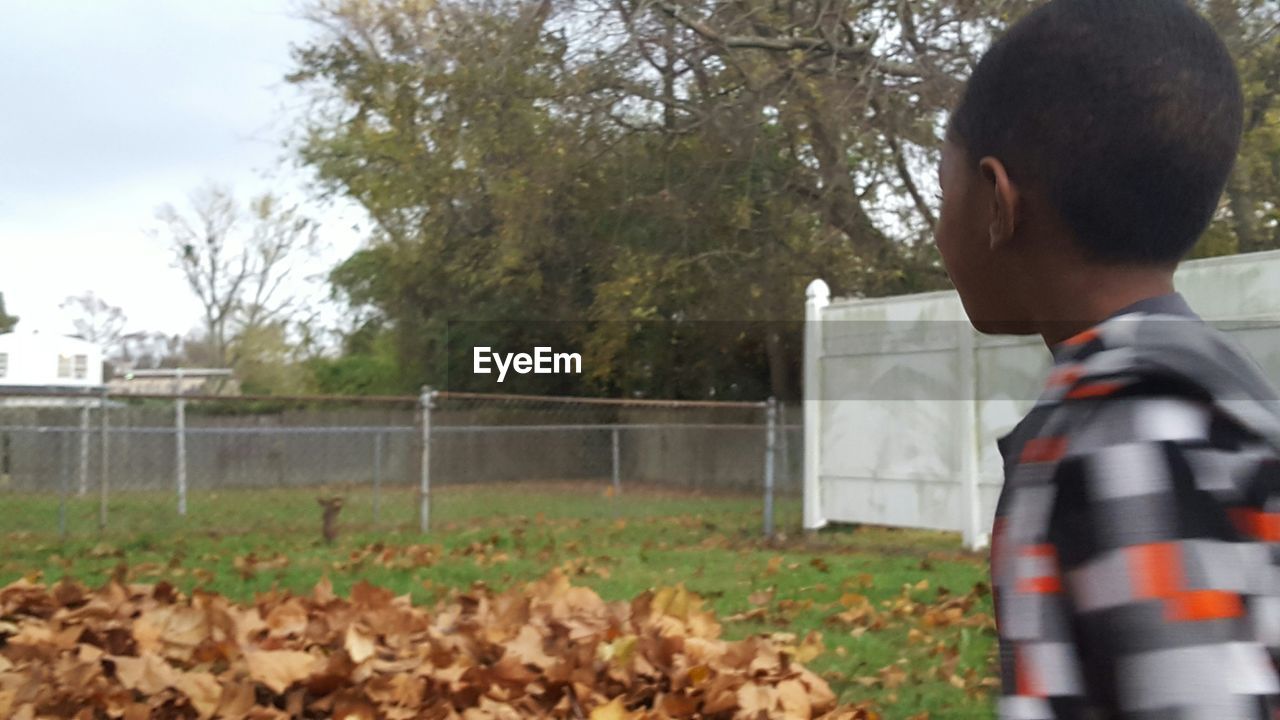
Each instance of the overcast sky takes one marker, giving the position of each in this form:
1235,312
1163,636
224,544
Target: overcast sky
109,108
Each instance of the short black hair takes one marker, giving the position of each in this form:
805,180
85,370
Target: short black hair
1126,114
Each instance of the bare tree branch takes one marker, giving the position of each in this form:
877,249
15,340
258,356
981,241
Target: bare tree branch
95,320
904,172
860,53
238,280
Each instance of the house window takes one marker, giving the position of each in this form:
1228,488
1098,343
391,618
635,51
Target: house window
4,365
82,367
64,366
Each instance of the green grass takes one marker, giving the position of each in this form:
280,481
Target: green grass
502,535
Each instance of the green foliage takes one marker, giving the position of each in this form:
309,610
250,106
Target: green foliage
7,321
657,199
265,364
1250,220
356,375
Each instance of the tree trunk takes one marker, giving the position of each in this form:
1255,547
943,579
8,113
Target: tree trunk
780,385
840,206
1243,219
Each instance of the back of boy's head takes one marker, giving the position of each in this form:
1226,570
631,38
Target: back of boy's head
1126,115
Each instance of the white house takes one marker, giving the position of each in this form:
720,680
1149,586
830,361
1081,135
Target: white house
32,360
40,371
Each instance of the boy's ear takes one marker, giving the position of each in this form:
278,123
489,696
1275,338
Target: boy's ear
1004,201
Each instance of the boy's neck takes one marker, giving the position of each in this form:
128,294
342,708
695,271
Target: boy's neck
1076,302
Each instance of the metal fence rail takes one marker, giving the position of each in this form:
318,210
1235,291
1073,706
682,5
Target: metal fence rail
167,458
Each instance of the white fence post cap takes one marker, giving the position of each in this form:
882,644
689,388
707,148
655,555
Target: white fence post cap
818,290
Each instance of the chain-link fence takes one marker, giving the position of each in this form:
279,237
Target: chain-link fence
76,464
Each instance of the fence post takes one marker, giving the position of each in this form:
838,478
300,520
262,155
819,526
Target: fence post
180,433
617,464
103,468
83,485
770,440
377,476
64,481
969,437
818,296
425,403
784,449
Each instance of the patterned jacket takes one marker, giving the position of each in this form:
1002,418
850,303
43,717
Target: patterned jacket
1136,550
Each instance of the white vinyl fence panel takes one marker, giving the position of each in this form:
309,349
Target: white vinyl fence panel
904,401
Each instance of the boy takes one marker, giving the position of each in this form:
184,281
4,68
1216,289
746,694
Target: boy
1132,555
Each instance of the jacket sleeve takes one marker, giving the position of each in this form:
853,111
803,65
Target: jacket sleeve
1161,531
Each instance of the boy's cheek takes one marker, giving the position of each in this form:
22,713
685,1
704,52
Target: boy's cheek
945,237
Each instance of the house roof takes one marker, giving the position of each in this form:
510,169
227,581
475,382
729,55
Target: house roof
35,338
184,373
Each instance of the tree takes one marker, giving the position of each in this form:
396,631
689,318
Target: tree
267,363
666,175
467,174
95,320
238,263
1250,217
7,321
367,366
519,172
148,351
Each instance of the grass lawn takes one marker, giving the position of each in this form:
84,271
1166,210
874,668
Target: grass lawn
875,594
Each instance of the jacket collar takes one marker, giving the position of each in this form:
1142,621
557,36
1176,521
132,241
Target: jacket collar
1169,304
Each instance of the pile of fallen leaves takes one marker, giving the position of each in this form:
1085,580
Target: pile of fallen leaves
547,650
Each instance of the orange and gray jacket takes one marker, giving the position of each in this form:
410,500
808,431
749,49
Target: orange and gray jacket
1136,550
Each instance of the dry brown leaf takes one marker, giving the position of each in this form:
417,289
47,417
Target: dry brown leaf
322,593
288,618
774,565
278,669
754,699
148,674
614,710
527,647
202,689
811,647
358,644
794,699
237,699
533,651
